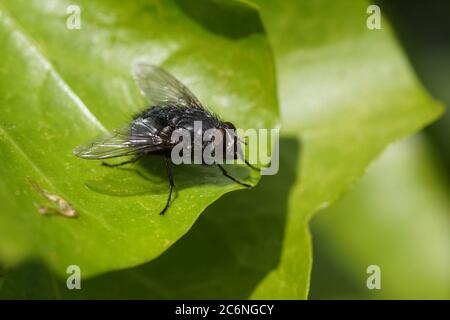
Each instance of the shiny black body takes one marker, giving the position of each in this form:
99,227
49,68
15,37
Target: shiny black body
162,121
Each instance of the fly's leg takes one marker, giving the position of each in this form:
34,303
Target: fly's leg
241,156
251,166
172,185
112,165
225,173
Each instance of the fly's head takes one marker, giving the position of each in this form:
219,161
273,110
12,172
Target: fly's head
226,140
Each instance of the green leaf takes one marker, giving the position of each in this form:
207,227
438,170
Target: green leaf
397,218
61,87
346,92
232,246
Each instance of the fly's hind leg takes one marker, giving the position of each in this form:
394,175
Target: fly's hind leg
172,185
226,174
113,165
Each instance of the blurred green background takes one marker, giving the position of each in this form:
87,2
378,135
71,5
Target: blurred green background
398,215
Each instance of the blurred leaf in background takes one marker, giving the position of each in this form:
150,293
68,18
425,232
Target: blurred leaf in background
423,29
346,93
413,245
61,87
398,217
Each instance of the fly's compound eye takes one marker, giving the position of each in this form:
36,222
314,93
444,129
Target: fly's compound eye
229,125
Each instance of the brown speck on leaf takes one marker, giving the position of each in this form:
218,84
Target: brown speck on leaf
43,210
61,206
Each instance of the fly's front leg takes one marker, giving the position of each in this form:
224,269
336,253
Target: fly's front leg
251,166
226,174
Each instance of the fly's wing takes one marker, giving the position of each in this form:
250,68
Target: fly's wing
125,141
161,88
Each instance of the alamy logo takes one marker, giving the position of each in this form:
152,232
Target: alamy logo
374,280
74,19
74,278
374,20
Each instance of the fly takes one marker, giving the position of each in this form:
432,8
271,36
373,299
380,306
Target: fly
172,106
